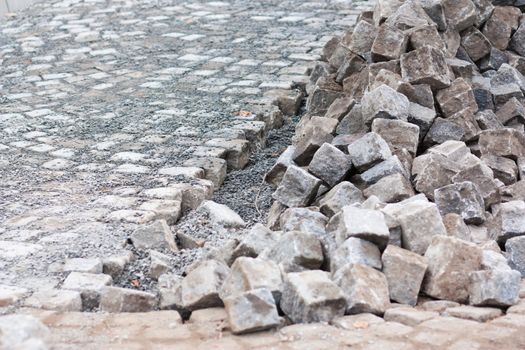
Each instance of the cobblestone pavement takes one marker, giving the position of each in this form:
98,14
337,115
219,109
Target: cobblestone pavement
207,329
102,102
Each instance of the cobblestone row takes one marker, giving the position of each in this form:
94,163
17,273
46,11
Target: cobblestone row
207,329
103,104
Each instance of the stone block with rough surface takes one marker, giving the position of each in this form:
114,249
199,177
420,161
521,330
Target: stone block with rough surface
114,299
248,274
298,188
450,262
355,251
366,289
311,296
251,311
404,272
367,224
200,288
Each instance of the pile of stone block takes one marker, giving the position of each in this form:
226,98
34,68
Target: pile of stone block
406,177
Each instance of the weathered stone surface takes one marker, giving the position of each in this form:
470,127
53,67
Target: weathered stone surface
366,289
335,61
517,42
419,94
360,40
479,314
9,295
157,235
221,214
409,316
456,97
288,101
434,10
321,69
493,258
460,14
483,177
200,288
114,265
515,248
497,287
426,65
512,110
345,193
164,209
296,251
249,274
368,151
487,119
390,189
461,198
352,65
421,116
409,15
475,44
466,121
237,151
384,102
414,215
23,332
432,171
298,188
438,305
456,227
311,296
54,299
169,292
330,164
258,239
390,166
389,44
315,133
355,251
325,92
354,322
450,261
352,123
89,285
340,107
397,134
91,265
443,130
114,299
404,272
329,48
159,264
504,169
499,26
493,60
505,75
426,36
384,9
251,311
462,68
384,77
276,173
308,220
504,92
510,220
214,168
360,223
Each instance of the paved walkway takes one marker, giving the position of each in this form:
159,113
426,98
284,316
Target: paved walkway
101,101
208,329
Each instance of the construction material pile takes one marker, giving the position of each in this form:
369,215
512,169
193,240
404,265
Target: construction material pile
406,177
